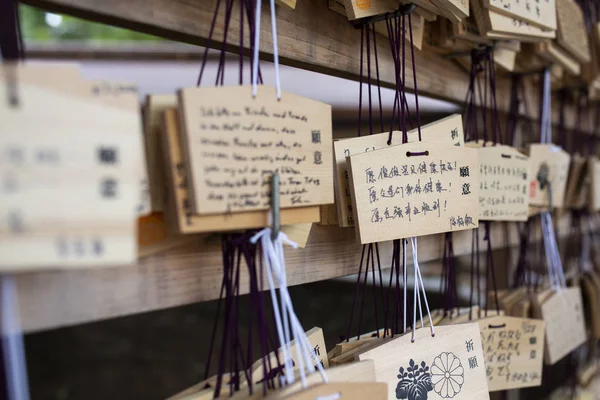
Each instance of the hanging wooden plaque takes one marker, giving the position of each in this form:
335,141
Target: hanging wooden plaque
594,192
448,365
69,198
514,352
565,326
447,130
363,371
66,78
356,9
494,25
189,222
549,162
290,3
572,35
154,109
540,13
503,183
414,189
341,390
317,342
574,181
592,303
235,142
125,95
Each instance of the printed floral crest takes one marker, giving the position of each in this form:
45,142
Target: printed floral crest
415,382
447,375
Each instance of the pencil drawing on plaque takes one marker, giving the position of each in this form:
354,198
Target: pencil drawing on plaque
415,382
447,375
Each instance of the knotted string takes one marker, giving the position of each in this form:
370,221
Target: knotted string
273,257
400,109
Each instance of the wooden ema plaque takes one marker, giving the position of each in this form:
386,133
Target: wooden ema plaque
575,180
414,189
513,349
362,371
317,342
594,193
565,327
494,25
553,162
503,183
356,9
449,365
235,142
72,198
540,13
448,130
339,390
189,222
571,30
154,109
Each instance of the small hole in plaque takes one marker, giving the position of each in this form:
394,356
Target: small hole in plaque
417,153
506,156
496,326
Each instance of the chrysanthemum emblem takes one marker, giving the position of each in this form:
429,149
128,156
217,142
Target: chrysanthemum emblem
447,375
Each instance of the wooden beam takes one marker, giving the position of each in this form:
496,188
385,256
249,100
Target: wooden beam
193,273
311,37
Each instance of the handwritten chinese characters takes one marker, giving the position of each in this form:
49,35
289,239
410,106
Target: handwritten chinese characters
414,189
513,349
503,184
448,130
235,143
541,13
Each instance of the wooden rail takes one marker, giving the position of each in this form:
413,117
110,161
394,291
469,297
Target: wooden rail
192,273
311,37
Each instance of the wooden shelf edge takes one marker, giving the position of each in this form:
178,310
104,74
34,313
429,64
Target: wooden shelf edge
192,273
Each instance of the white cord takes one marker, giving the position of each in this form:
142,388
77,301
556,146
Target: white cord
549,259
12,341
275,50
275,265
417,295
405,280
257,46
546,125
